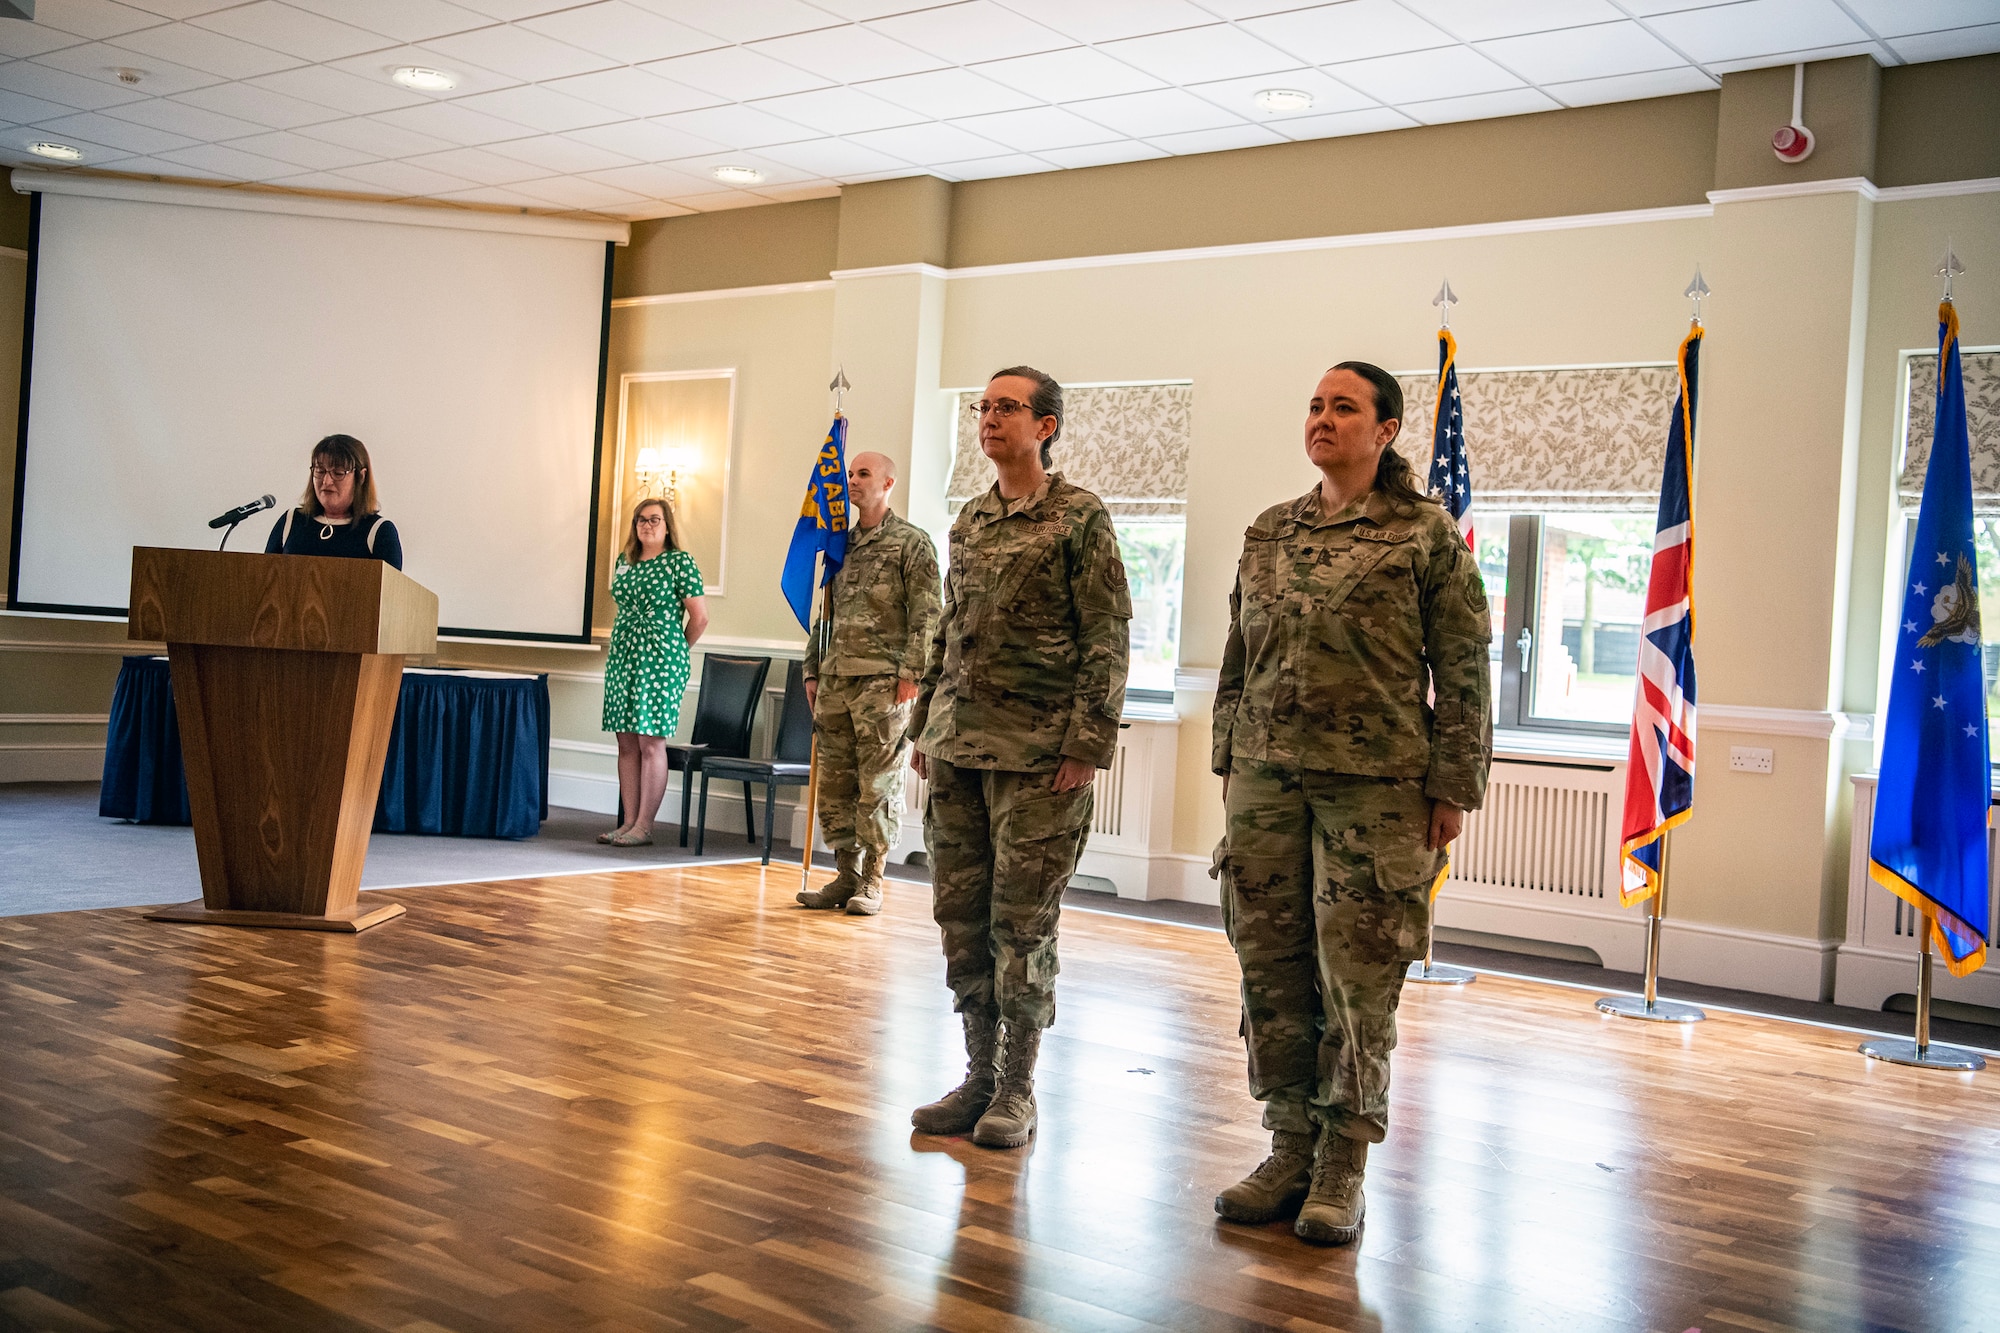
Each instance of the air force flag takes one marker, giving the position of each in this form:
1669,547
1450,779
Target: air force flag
822,525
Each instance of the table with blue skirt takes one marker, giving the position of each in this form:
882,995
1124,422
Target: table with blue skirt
468,755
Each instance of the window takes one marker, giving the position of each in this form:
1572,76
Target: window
1570,636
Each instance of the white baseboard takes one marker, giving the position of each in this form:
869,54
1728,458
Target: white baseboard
52,761
1179,876
1618,941
1868,977
598,793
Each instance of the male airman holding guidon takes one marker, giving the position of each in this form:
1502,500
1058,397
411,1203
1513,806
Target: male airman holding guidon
1353,729
863,661
1018,709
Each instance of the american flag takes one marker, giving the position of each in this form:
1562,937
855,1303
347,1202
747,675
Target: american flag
1451,475
1659,778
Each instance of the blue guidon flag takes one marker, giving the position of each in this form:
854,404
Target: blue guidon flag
1929,842
822,525
1659,776
1451,474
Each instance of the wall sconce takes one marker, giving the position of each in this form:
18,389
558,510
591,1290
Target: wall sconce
661,472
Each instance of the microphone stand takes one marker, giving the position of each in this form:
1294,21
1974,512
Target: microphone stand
229,532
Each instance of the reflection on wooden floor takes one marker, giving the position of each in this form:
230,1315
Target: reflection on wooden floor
672,1100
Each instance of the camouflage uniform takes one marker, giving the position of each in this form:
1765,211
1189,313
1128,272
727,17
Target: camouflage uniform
1341,628
1027,667
884,612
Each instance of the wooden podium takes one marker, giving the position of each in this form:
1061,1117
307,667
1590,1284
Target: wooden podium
286,674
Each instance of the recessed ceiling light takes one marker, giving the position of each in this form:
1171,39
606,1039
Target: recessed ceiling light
425,80
61,152
738,175
1284,99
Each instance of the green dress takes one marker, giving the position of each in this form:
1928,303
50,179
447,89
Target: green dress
647,669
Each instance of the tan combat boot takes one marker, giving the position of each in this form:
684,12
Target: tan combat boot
1277,1187
960,1109
836,892
1333,1208
1010,1120
867,899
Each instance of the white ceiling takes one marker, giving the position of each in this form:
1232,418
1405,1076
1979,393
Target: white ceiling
626,107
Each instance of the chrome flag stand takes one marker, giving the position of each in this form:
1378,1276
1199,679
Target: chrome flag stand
1921,1052
838,388
1650,1006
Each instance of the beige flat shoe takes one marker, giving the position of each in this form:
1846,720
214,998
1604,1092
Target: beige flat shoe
632,840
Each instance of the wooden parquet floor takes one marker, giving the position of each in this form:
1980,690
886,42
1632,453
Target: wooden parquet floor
672,1100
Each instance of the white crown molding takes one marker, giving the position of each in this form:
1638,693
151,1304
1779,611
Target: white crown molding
1890,194
1860,185
723,294
894,271
28,181
1785,722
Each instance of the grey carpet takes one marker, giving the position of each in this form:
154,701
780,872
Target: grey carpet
57,855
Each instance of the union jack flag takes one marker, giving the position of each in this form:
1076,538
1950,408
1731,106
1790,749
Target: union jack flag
1659,777
1451,475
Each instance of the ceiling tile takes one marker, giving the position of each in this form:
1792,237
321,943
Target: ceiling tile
91,18
1221,140
852,52
519,53
338,89
62,87
858,10
1631,87
1101,154
1478,20
649,180
115,133
368,135
624,32
1355,30
155,166
324,181
301,151
737,73
1901,18
20,40
1198,55
378,66
1949,45
188,45
477,164
775,172
191,121
1342,123
786,194
736,126
181,9
296,32
403,178
838,111
101,61
1037,128
16,139
1481,106
232,163
1757,28
988,168
509,11
1598,51
1108,20
633,91
539,107
404,20
1240,95
20,109
835,159
1066,76
1148,115
1420,74
454,123
948,92
646,141
1871,48
260,106
932,141
493,194
721,201
560,154
971,31
746,20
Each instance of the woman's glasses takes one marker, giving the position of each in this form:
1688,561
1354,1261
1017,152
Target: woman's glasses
650,521
999,407
331,473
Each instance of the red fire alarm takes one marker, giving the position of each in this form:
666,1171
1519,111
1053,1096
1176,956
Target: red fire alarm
1794,142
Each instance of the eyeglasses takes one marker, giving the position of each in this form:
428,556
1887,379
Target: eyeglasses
651,521
334,473
999,407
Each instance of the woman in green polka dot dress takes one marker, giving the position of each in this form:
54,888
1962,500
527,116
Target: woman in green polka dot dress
660,612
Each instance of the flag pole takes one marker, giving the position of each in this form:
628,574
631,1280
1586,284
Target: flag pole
1650,1006
1922,1052
812,784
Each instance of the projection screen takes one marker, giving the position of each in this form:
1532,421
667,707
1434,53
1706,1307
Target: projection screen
186,349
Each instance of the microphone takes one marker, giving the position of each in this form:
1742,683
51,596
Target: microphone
241,512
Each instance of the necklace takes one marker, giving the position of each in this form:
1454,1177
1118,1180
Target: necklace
325,532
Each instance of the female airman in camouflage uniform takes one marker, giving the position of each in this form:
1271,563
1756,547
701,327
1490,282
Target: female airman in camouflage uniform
1352,729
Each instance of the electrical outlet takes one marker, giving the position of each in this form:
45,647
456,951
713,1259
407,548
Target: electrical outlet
1749,759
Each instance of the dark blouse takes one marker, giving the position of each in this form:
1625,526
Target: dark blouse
369,537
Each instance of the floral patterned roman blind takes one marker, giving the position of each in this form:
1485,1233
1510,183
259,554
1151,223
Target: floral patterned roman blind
1553,440
1982,419
1127,443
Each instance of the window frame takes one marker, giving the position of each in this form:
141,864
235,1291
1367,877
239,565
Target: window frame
1513,708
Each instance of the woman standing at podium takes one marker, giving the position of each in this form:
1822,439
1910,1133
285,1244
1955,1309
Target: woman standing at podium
339,514
660,612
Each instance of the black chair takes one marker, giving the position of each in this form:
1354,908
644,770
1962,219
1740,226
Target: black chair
731,689
790,763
